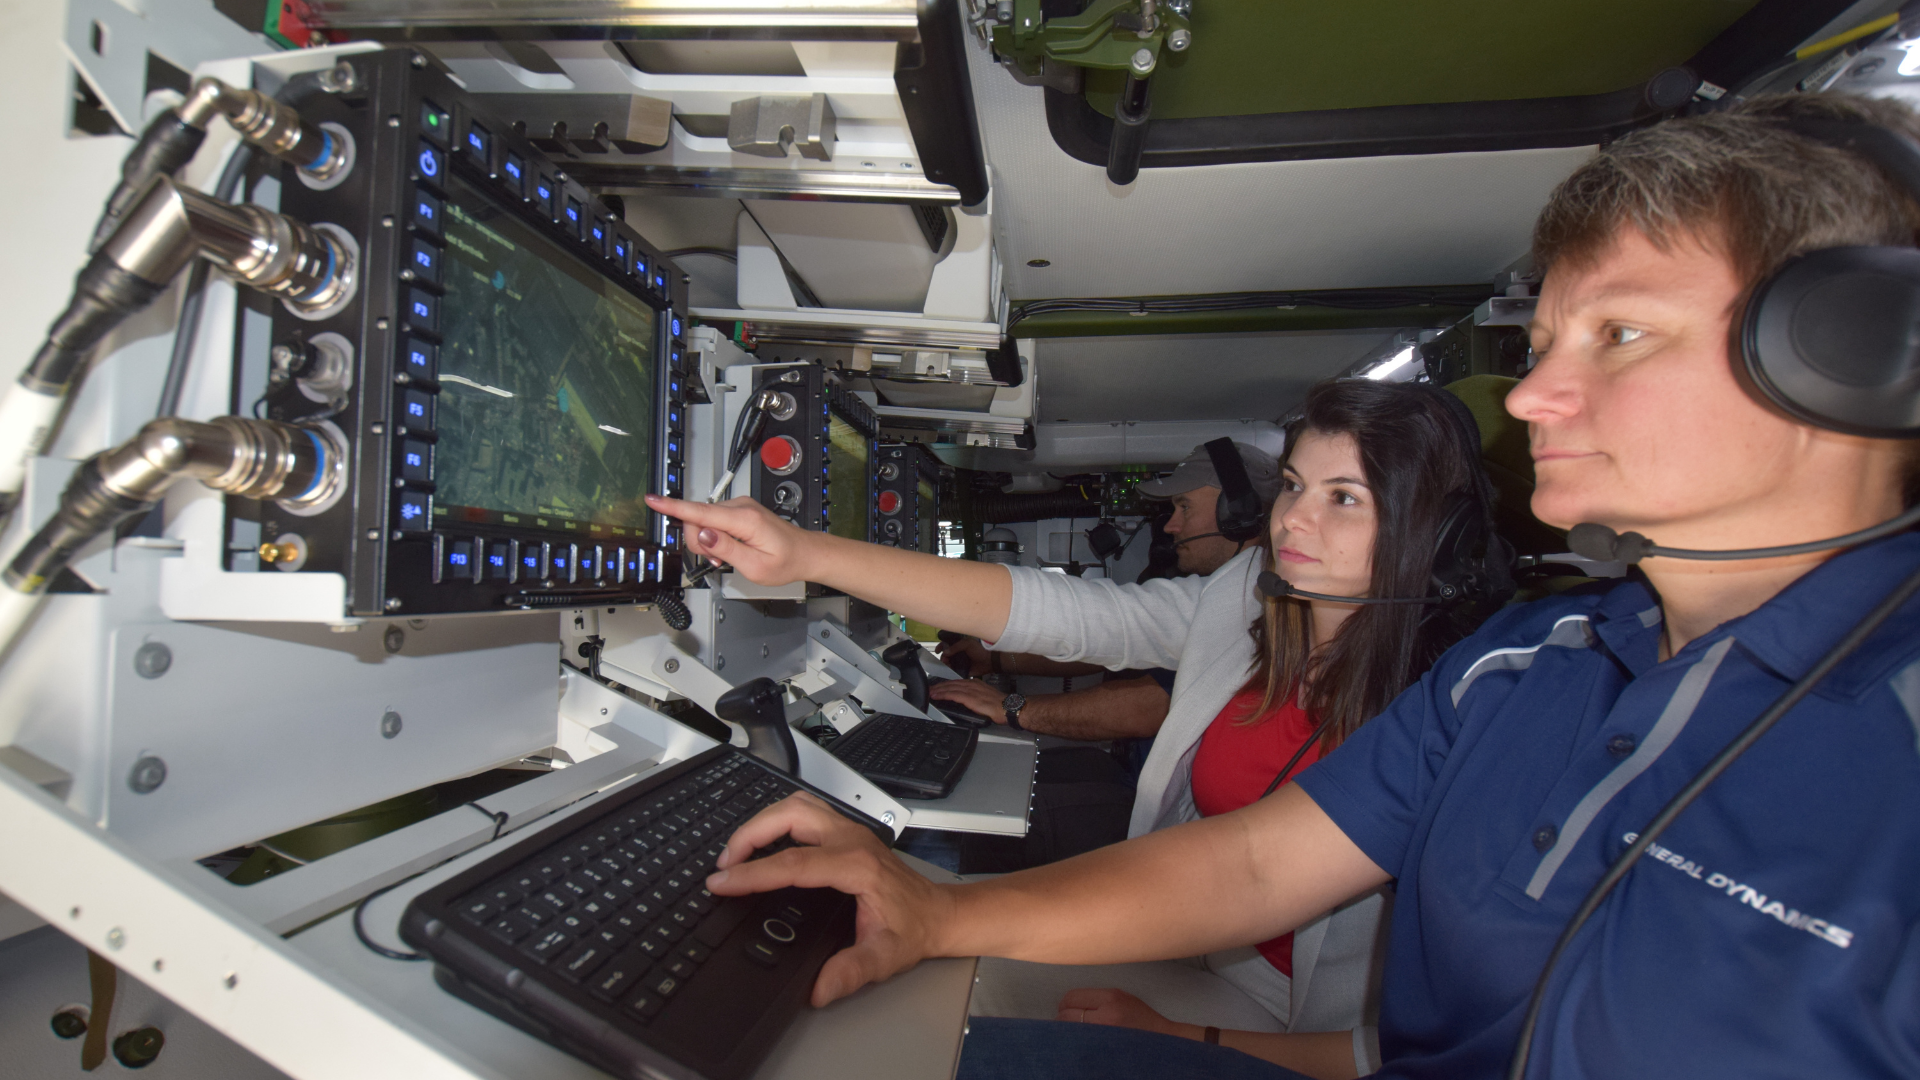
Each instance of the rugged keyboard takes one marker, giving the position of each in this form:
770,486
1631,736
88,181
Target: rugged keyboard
598,934
908,756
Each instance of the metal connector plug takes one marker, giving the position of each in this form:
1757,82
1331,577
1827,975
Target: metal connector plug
270,126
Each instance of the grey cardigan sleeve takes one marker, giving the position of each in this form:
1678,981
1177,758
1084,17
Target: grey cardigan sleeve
1097,621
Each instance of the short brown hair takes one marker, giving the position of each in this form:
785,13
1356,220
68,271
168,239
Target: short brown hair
1737,180
1741,182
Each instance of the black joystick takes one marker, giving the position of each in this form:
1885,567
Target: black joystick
904,657
760,708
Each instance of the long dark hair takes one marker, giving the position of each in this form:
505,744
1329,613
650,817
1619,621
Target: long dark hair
1414,455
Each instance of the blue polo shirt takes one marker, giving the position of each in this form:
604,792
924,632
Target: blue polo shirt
1775,930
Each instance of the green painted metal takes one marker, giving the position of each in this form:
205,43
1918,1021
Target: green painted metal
1105,36
1276,56
1058,324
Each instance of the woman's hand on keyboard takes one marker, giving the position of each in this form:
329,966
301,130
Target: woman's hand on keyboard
900,912
756,542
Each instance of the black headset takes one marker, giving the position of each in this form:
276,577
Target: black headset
1833,337
1239,510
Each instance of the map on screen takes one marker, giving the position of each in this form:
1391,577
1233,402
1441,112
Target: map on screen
548,381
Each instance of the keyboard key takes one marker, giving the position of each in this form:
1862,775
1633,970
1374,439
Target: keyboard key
547,869
536,914
644,1005
680,967
504,894
584,960
668,930
572,923
618,977
614,938
663,983
695,951
527,881
559,899
762,953
596,910
547,946
510,929
700,901
576,887
478,910
653,947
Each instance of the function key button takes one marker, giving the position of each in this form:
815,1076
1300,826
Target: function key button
420,360
434,122
597,237
430,164
413,510
416,410
479,144
546,197
416,467
424,262
478,910
778,931
575,218
426,214
460,561
423,311
510,929
513,172
499,561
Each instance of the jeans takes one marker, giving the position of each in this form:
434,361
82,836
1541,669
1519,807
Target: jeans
1003,1049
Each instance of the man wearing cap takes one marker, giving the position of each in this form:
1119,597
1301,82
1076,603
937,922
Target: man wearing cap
1194,490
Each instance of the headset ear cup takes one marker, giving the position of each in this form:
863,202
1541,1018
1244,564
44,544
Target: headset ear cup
1833,340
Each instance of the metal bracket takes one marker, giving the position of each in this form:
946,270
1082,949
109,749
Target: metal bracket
1107,35
769,126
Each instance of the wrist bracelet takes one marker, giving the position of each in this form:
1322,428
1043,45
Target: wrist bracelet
1213,1035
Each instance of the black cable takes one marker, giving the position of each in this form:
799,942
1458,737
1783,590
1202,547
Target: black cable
360,931
1592,541
1297,755
1732,751
187,330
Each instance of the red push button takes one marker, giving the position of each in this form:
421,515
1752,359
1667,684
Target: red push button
889,502
780,454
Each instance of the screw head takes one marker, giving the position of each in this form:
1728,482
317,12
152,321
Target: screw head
419,61
147,775
150,661
232,980
116,938
671,666
395,639
886,818
393,602
389,724
1142,61
1179,40
719,663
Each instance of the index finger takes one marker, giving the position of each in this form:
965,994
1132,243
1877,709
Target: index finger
725,516
800,815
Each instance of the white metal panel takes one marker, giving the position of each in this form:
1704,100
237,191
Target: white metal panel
1439,219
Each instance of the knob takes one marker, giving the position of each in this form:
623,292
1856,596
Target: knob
758,706
780,455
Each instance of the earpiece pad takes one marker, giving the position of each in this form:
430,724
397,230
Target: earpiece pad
1834,340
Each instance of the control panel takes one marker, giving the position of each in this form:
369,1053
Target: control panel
907,482
511,374
815,461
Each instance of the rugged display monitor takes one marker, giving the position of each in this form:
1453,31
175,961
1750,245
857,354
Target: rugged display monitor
510,372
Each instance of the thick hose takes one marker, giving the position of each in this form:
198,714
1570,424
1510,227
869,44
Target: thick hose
1057,504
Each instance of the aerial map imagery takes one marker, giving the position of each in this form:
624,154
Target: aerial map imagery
548,381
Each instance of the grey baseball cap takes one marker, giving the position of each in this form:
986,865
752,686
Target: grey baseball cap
1197,472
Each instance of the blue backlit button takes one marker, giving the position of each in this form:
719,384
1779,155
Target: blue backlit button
560,561
640,265
676,326
420,359
423,311
427,212
674,386
597,236
575,218
673,444
678,360
416,461
546,197
660,281
478,142
412,511
430,164
532,558
499,561
622,251
513,172
423,262
674,418
434,122
416,410
459,561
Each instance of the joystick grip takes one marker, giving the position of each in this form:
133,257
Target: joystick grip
904,656
757,706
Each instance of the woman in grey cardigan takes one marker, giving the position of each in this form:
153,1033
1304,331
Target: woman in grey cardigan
1369,476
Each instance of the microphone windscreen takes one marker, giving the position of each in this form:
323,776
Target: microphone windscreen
1596,542
1272,585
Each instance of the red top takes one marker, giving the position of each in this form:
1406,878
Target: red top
1235,763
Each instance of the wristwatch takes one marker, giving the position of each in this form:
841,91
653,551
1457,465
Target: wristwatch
1012,704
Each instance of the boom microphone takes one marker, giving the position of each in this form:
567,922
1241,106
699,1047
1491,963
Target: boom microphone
1602,544
1272,584
1191,539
